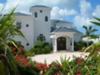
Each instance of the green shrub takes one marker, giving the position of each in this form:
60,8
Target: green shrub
79,46
41,46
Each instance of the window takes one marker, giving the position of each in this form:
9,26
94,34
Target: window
27,44
27,25
18,25
35,14
41,11
46,18
41,37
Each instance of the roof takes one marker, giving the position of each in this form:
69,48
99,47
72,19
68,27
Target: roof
40,6
60,21
22,14
64,29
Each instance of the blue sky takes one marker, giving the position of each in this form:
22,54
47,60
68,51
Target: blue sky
2,1
80,12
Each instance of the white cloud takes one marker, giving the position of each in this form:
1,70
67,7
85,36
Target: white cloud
96,11
79,21
9,5
1,6
85,8
84,17
24,5
58,13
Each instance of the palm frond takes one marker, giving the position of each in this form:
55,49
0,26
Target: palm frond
97,18
85,27
96,23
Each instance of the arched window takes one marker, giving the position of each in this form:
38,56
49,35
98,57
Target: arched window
46,18
35,14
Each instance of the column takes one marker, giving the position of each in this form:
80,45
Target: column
72,43
54,45
66,43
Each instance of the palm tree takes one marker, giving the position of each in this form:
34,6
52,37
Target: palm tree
8,29
89,33
97,22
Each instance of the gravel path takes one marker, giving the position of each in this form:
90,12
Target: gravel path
49,58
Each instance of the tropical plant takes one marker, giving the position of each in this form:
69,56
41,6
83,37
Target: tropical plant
8,29
97,22
78,46
41,46
89,33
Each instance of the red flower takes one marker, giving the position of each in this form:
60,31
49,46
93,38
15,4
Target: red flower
41,66
79,61
78,73
22,60
55,64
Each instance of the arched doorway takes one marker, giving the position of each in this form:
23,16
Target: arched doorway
61,43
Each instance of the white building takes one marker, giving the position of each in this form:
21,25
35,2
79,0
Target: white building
61,34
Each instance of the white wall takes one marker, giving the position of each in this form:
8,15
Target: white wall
40,25
27,31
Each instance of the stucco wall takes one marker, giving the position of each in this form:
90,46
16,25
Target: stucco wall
27,31
40,25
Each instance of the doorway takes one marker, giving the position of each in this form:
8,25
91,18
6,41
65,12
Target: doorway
61,43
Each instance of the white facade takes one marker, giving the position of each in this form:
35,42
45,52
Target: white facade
38,22
40,25
26,28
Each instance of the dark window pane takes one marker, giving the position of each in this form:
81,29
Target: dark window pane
27,44
41,11
35,14
46,18
27,25
18,25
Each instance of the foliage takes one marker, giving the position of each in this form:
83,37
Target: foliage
97,22
2,68
8,29
30,53
27,71
79,45
89,31
41,46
